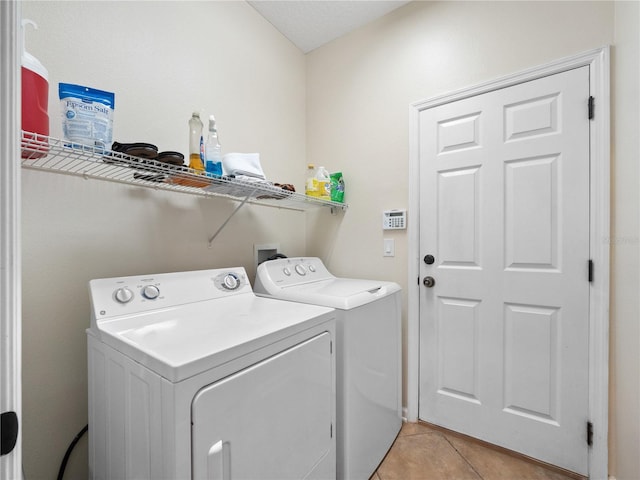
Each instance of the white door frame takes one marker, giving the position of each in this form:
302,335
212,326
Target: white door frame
598,61
10,266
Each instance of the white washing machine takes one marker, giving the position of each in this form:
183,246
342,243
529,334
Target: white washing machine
368,321
192,376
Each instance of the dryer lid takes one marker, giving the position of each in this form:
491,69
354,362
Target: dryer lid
340,293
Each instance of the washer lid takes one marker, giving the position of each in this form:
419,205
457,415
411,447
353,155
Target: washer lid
340,293
182,341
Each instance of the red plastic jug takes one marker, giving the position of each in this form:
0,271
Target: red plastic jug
35,103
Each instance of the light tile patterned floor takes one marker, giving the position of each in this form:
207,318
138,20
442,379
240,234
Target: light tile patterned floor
423,453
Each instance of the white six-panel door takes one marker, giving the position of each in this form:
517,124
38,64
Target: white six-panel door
504,211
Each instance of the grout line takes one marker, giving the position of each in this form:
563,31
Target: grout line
467,461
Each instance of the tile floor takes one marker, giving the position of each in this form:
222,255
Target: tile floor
423,453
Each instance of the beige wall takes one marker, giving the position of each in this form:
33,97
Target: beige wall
624,412
359,89
162,59
356,107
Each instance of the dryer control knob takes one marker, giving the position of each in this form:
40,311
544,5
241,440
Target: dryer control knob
151,292
123,295
300,270
286,271
230,282
312,268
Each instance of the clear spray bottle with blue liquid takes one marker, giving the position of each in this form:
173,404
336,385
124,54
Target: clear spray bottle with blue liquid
213,151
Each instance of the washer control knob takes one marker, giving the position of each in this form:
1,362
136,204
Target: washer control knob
300,270
150,292
123,295
312,268
230,282
286,271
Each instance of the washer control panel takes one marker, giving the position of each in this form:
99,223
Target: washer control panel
292,271
128,295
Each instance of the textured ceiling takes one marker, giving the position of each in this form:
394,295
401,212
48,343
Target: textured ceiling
312,23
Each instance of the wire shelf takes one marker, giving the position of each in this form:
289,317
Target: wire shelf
51,154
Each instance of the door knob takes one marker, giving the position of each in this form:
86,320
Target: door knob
429,282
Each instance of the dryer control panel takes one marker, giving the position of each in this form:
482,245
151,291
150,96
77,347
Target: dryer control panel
141,293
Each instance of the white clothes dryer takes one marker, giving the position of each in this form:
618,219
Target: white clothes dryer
192,376
368,322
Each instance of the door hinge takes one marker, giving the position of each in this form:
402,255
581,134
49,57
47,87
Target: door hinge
591,107
9,429
331,430
418,280
590,434
331,347
590,270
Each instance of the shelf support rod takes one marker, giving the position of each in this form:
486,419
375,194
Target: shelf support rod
229,217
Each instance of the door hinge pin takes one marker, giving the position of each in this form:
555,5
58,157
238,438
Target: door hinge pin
590,434
591,108
590,270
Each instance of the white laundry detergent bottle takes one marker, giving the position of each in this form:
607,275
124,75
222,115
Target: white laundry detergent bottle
318,184
35,102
